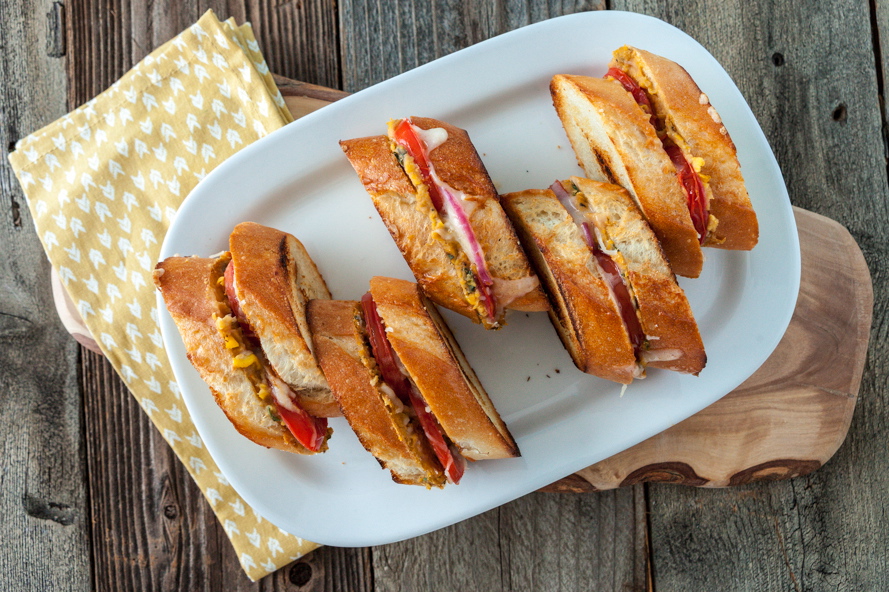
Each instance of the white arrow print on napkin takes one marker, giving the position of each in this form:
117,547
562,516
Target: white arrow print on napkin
175,413
120,270
129,200
96,258
85,309
115,168
231,528
73,253
92,285
213,496
102,212
171,436
108,190
83,202
125,115
254,538
109,343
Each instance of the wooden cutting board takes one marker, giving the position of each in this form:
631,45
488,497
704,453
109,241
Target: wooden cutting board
786,420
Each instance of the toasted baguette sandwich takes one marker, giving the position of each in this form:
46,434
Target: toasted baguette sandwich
268,283
404,385
615,301
688,123
256,401
615,142
435,197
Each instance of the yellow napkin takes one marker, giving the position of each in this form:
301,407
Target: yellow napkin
103,184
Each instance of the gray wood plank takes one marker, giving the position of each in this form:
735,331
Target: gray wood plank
43,497
151,527
542,541
808,71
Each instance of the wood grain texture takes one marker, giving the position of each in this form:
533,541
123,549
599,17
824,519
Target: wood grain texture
812,73
151,528
792,415
819,532
43,495
537,542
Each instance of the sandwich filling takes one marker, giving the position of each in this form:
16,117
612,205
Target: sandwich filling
602,247
687,169
450,211
399,382
273,392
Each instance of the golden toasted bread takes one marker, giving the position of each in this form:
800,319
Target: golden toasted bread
274,278
436,364
373,411
585,313
194,296
614,142
691,119
439,264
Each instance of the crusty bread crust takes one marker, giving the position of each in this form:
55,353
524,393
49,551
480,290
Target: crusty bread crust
678,101
674,342
614,142
191,291
435,363
395,198
274,279
583,312
342,351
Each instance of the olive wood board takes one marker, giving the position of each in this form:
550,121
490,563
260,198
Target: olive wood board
785,420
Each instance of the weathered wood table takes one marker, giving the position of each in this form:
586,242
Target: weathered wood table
92,497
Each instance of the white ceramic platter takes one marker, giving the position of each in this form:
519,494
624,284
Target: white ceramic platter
298,180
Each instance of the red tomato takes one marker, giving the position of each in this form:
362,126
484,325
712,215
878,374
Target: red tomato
691,182
406,137
308,431
453,463
637,91
694,189
398,382
622,295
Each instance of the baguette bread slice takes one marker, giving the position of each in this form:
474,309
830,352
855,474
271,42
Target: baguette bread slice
582,310
193,294
437,261
436,364
694,124
380,421
673,341
614,142
586,314
274,278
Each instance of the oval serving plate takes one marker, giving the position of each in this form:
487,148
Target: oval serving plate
298,180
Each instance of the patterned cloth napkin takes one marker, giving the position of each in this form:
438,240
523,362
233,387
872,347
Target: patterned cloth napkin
103,184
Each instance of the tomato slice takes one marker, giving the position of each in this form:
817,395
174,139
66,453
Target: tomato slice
622,295
385,356
406,136
308,431
382,350
694,188
688,177
454,464
638,93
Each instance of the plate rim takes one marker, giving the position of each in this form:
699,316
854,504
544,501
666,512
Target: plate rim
170,338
